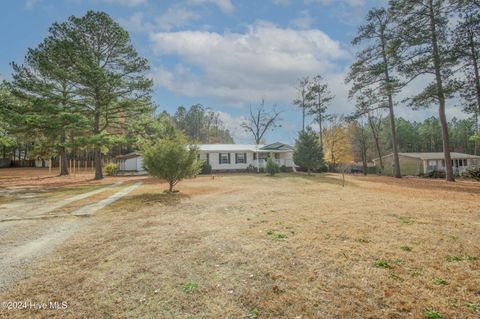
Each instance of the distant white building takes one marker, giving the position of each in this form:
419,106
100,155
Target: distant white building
131,162
424,163
224,157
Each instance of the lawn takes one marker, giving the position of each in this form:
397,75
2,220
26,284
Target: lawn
253,246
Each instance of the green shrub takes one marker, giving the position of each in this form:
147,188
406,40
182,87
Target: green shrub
323,168
272,166
436,174
206,169
111,169
283,169
171,159
473,173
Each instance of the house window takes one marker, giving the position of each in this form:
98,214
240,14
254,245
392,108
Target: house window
465,163
208,158
443,163
277,155
224,158
240,158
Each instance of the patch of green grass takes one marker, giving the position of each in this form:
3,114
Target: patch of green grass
440,281
416,273
253,314
406,220
471,258
190,287
454,258
380,263
432,314
363,241
473,306
276,235
396,277
398,262
406,248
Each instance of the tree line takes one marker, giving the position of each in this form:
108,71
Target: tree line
83,93
432,45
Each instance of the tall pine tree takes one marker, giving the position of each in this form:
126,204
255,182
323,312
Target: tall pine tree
373,71
423,29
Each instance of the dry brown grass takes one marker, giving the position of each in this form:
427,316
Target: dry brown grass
291,246
32,178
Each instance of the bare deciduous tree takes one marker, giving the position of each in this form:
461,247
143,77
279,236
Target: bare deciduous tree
260,120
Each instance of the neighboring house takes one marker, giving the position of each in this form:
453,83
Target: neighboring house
225,157
424,163
131,162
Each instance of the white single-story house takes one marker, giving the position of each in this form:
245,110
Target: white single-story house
425,163
240,157
225,157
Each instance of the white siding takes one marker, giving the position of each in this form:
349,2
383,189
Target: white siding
213,160
134,164
286,158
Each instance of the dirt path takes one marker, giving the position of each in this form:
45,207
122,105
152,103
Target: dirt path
25,240
32,206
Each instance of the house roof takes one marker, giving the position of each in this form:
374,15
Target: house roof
228,147
435,156
127,156
275,147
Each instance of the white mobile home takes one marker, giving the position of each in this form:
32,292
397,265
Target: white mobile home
224,157
425,163
240,157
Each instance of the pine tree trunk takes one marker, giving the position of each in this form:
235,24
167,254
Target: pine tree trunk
393,128
377,142
441,96
97,151
63,161
98,163
303,117
320,133
475,71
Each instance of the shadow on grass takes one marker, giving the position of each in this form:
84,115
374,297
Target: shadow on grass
167,199
324,178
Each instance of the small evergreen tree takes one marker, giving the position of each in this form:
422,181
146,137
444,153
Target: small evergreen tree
308,151
171,159
272,167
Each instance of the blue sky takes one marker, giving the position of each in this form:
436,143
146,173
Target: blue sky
224,54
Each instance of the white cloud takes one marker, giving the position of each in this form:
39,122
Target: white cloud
353,3
240,68
176,16
234,125
224,5
136,23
